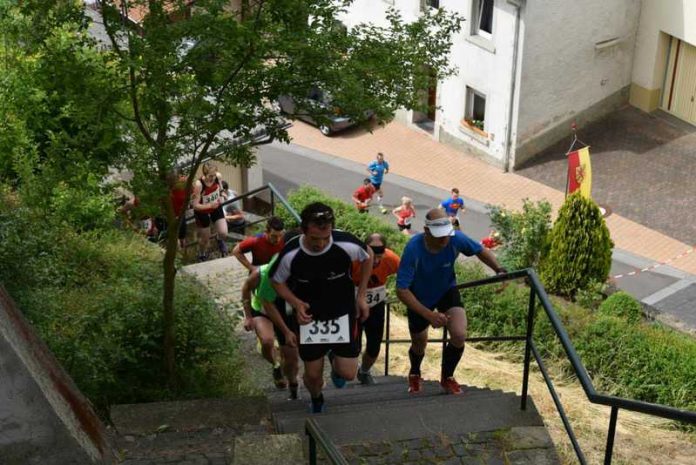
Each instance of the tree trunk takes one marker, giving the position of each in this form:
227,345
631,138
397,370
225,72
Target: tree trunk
168,320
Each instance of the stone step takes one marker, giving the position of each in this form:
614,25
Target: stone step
367,394
292,420
280,394
423,418
286,449
187,416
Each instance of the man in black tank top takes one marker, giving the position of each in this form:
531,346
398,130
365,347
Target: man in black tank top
313,274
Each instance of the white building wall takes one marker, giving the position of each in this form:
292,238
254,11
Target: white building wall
485,66
577,64
374,11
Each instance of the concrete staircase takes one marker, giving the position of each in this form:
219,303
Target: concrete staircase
384,424
201,432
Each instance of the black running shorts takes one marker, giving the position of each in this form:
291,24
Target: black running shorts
203,220
417,323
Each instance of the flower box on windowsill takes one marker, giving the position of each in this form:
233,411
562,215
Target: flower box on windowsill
464,124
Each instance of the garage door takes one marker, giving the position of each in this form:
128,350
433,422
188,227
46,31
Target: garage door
680,96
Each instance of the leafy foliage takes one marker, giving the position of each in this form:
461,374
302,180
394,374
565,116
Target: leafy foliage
622,305
523,234
580,248
592,296
95,298
59,99
645,362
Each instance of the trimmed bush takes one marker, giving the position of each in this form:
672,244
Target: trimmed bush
648,363
580,248
622,305
523,234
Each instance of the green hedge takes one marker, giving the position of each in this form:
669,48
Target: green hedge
639,361
622,305
95,298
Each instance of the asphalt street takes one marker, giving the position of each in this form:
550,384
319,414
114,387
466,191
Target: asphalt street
669,293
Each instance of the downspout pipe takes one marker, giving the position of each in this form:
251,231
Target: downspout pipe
518,4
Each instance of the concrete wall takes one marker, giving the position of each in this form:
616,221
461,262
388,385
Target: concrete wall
577,64
44,420
659,19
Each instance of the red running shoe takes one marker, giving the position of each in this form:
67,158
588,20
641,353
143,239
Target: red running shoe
451,386
415,384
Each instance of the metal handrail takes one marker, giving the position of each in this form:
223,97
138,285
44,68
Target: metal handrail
537,291
317,435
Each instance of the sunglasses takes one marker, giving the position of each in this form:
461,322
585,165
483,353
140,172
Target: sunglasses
323,216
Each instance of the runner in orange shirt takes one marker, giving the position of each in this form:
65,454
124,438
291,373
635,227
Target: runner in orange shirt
385,264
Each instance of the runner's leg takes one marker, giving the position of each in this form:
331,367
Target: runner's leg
345,367
221,230
452,354
265,333
374,332
314,381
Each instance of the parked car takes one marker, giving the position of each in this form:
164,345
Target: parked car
317,98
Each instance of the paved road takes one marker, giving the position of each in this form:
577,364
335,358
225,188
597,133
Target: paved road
670,292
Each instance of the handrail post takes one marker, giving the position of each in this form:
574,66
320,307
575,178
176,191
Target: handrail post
610,435
528,347
386,340
444,344
312,448
272,203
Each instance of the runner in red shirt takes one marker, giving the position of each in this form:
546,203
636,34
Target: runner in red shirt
179,197
385,264
363,196
262,246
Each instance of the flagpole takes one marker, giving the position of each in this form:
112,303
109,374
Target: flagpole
574,128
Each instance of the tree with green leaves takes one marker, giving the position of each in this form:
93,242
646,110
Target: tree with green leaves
59,124
579,250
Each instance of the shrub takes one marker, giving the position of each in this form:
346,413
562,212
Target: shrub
592,296
95,298
523,234
622,305
644,362
580,248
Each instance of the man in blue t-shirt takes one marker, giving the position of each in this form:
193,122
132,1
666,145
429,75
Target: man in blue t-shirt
426,282
452,206
377,169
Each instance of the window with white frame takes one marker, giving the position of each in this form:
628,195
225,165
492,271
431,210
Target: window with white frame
482,18
475,111
430,4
